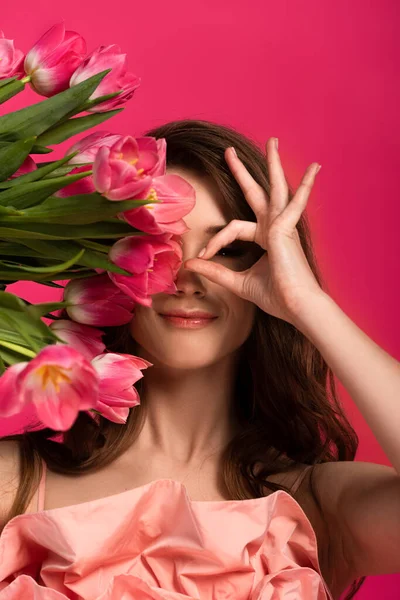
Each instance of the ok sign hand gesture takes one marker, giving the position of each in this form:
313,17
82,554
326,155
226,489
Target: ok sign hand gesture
281,282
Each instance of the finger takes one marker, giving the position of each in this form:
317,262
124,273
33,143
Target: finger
279,189
235,230
231,280
255,195
296,206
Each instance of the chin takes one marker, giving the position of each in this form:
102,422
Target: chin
184,360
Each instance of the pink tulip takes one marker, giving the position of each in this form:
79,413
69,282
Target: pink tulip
119,79
126,170
87,148
59,382
11,402
11,59
85,339
27,166
177,198
53,59
117,373
82,186
97,301
153,261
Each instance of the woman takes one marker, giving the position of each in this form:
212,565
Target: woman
234,477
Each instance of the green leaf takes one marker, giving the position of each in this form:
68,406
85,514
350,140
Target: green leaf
94,246
62,132
13,155
110,229
33,326
64,170
11,301
51,270
52,284
11,89
11,358
37,118
14,276
18,309
43,308
15,249
2,366
5,138
91,103
72,210
88,104
8,210
64,250
15,324
40,149
38,173
26,195
7,81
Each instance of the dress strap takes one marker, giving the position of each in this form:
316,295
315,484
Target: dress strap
299,479
42,485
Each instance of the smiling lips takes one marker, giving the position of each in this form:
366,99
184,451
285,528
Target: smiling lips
188,320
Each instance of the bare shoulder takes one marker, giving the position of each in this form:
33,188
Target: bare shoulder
9,476
342,485
361,503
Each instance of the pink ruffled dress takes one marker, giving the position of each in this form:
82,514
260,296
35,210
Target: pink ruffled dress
154,543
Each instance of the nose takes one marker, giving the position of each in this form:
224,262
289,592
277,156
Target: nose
189,282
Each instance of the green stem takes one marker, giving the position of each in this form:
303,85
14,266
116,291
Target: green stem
17,348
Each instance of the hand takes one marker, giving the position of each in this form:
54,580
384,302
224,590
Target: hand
281,282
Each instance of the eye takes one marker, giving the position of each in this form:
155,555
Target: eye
231,251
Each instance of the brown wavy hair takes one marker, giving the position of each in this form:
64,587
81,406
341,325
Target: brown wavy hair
285,394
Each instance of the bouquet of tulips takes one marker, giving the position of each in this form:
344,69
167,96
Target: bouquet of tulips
106,219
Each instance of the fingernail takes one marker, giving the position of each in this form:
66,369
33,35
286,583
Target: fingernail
318,168
277,143
234,151
200,254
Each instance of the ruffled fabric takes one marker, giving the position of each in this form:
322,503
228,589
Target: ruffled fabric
154,543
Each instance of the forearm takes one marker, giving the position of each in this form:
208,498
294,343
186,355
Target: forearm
370,375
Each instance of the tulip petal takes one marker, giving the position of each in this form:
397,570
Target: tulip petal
59,381
116,415
116,372
49,81
135,287
131,190
88,146
97,301
12,401
102,170
133,254
55,412
53,59
85,339
47,43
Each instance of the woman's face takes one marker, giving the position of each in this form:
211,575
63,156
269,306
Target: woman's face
163,343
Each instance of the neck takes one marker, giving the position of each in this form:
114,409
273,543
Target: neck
188,413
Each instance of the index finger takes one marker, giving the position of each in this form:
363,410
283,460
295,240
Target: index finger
255,195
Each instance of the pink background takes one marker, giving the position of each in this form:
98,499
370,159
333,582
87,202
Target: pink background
321,76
